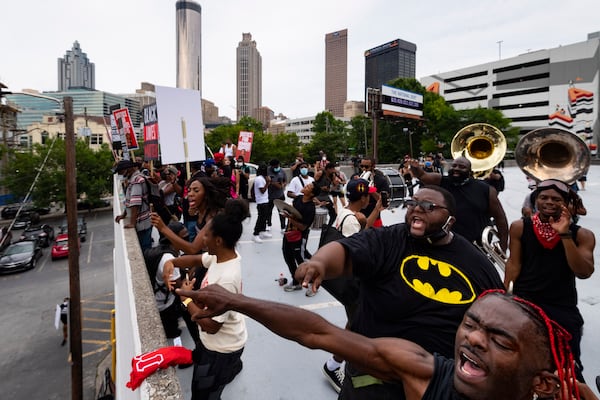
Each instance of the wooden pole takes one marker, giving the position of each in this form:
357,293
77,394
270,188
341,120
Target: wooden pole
74,284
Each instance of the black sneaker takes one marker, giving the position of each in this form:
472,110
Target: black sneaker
335,377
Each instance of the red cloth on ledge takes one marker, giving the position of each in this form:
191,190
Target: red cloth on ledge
144,365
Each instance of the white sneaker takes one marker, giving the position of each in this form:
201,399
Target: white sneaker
257,239
266,234
268,228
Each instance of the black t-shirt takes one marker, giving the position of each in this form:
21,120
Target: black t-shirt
398,273
545,276
441,386
472,207
307,210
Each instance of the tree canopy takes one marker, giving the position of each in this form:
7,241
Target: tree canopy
94,175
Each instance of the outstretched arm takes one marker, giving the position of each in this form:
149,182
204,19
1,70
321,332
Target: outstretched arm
580,256
513,265
428,178
388,359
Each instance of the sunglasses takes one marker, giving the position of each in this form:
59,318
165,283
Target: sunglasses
424,204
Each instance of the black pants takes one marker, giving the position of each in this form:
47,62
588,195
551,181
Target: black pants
270,213
212,371
295,253
170,319
261,221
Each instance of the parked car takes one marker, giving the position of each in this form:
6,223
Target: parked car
89,205
5,238
26,219
43,234
81,228
60,248
20,256
9,212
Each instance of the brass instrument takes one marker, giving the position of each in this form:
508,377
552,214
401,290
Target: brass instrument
482,144
552,153
490,246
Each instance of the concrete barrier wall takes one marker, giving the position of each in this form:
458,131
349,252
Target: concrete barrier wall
138,326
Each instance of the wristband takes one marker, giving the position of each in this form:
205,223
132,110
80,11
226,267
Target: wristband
566,235
187,302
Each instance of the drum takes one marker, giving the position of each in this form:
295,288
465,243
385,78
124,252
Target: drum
397,187
320,218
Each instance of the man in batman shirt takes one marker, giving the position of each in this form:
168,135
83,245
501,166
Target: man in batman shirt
417,280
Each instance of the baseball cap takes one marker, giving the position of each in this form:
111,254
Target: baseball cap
123,165
356,188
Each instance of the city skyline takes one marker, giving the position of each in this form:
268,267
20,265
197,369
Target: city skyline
133,42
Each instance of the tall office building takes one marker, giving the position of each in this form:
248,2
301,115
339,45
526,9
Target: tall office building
189,47
392,60
336,71
75,70
249,76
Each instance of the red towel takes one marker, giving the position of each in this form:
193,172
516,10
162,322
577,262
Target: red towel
146,364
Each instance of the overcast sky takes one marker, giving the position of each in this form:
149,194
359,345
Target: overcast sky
131,41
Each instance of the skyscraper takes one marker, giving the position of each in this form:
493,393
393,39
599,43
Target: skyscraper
75,70
189,46
336,71
249,76
392,60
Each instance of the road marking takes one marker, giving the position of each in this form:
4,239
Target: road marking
319,306
104,321
89,258
42,267
101,349
96,330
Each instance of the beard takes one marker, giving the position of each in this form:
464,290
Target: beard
458,177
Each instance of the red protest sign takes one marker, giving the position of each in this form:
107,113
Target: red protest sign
124,124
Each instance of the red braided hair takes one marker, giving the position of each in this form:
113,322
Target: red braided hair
558,338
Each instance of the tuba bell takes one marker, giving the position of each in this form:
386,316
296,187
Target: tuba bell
482,144
552,153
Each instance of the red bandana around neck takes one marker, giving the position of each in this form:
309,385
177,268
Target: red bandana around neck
546,234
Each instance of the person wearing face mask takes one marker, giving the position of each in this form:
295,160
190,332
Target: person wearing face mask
276,191
476,201
298,182
244,175
137,206
416,278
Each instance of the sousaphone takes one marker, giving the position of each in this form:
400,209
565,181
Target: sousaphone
552,153
482,144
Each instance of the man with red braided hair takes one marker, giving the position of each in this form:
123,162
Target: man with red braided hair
547,252
506,348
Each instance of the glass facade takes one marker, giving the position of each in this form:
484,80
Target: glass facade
392,60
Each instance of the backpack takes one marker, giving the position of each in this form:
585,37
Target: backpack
152,257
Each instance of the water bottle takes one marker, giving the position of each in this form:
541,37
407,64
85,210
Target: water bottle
282,280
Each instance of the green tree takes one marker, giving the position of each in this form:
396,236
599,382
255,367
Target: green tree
264,145
94,175
331,136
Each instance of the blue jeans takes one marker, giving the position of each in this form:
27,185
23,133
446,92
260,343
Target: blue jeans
145,238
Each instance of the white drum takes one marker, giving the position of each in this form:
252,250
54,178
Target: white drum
397,187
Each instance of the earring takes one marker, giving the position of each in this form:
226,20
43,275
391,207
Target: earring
535,396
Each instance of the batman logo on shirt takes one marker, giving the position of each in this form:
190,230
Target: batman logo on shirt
437,280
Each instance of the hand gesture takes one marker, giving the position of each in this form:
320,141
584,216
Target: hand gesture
310,271
561,225
211,300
